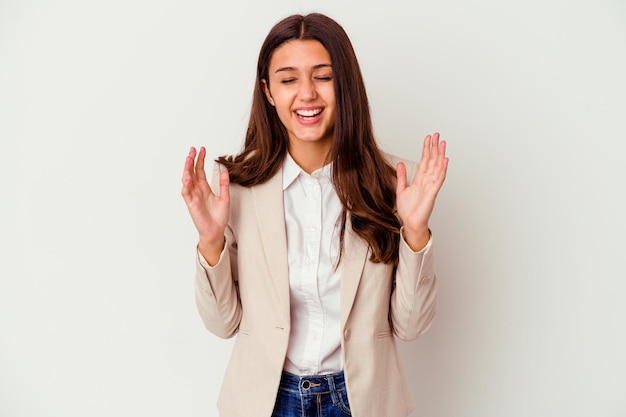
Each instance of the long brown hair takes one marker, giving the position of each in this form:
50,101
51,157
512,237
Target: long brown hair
364,181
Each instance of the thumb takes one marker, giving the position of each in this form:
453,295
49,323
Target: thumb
401,175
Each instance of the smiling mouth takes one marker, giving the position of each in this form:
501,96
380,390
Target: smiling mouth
308,114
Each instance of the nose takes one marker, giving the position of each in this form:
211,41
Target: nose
306,90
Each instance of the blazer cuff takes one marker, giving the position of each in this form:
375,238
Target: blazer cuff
214,280
416,269
204,262
423,250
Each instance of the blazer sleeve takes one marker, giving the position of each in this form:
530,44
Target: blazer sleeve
414,295
216,288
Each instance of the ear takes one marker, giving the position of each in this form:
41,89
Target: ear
266,90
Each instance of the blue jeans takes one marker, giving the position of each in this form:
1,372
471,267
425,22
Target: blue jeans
312,396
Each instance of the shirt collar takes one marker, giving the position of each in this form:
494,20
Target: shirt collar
291,171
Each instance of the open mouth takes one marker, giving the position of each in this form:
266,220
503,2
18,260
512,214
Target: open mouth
308,114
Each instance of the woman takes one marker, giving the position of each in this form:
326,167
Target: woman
316,252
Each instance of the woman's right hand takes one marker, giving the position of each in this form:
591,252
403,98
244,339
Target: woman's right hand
208,211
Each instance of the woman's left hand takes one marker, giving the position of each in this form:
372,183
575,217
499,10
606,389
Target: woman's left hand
415,201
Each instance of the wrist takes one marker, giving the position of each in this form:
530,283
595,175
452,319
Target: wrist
211,250
417,239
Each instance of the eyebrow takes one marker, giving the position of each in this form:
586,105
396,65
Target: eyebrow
318,66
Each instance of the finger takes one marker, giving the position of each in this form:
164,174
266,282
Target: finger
435,146
441,152
201,180
188,175
186,191
442,164
437,155
200,174
188,168
423,166
435,142
434,151
443,167
401,175
225,185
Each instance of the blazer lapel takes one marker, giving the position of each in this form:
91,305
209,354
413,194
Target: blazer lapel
268,201
355,253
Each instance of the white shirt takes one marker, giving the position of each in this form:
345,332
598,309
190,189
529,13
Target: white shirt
312,220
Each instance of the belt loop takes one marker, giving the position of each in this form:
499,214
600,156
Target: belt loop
332,389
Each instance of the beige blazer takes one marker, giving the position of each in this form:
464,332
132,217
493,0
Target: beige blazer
247,294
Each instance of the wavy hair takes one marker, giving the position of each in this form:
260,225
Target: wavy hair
363,180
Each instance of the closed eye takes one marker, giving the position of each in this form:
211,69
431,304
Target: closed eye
287,80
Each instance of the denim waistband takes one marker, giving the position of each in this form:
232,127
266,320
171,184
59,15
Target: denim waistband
312,384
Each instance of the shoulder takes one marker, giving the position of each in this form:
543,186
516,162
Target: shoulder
394,159
271,185
411,166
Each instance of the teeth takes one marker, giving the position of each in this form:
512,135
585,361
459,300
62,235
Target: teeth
308,113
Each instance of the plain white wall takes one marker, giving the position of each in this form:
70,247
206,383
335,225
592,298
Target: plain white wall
100,101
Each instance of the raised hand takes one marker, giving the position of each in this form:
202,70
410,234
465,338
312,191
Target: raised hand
415,201
208,211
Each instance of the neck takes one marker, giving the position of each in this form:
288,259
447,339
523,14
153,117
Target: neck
310,156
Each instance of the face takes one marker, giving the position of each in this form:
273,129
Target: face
301,88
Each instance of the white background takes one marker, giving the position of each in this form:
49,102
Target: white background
100,101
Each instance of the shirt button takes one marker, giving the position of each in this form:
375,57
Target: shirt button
346,334
425,281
